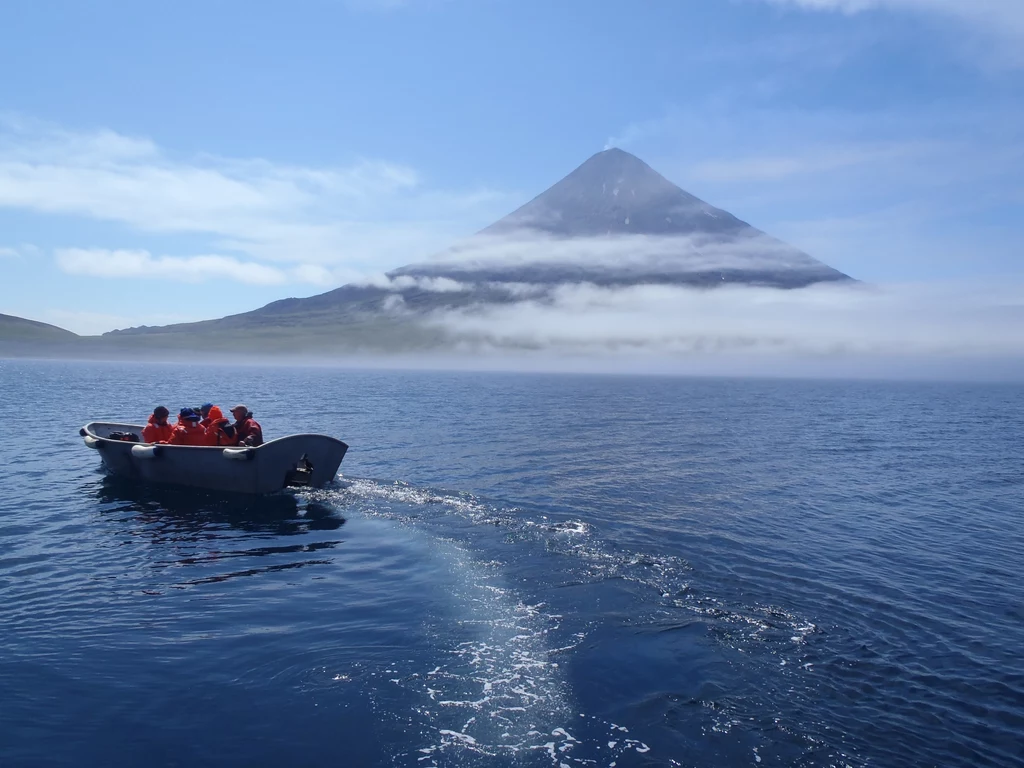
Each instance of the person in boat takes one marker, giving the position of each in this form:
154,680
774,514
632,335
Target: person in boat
210,413
157,430
188,431
247,430
219,430
221,433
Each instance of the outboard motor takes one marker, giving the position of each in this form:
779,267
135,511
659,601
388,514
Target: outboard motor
302,474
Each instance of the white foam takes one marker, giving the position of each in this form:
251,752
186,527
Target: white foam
463,737
500,693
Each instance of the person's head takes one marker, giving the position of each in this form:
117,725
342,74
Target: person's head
205,409
160,414
239,412
187,414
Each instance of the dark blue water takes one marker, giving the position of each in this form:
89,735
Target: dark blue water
521,570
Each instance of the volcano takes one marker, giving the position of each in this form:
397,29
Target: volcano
614,221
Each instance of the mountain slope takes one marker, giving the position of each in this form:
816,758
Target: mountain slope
19,329
615,220
20,337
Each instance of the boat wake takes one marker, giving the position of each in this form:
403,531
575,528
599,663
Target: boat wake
498,692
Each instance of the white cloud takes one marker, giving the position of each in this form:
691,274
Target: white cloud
117,264
180,198
406,282
820,323
624,253
97,262
23,251
430,284
33,141
363,217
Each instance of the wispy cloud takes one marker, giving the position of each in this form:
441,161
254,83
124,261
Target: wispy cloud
640,131
420,283
148,192
809,162
127,264
363,217
97,262
25,250
1001,20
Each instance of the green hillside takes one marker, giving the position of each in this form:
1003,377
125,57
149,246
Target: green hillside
18,329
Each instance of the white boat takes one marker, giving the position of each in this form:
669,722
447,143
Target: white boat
296,460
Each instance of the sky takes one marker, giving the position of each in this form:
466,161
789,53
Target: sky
172,162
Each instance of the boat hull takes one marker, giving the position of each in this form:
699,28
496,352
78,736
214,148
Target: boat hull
296,460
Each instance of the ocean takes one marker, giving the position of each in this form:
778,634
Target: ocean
529,570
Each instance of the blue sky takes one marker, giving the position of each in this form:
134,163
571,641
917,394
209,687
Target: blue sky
181,162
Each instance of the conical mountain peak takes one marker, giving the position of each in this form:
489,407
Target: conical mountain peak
615,219
619,165
614,162
615,192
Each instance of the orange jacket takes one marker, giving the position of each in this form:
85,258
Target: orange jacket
215,434
189,433
214,415
156,433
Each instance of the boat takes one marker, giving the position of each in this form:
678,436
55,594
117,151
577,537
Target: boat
292,461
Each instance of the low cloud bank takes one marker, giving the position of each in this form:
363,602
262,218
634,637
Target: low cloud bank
625,252
823,328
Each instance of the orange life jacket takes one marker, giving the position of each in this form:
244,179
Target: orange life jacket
189,433
156,433
214,415
215,434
